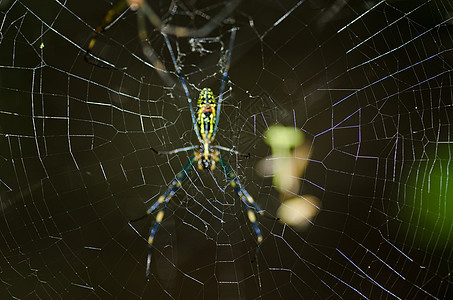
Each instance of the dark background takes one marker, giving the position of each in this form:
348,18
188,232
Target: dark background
373,100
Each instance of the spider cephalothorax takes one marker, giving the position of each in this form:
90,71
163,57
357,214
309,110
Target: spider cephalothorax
207,157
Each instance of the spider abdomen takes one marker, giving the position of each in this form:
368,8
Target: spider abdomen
206,114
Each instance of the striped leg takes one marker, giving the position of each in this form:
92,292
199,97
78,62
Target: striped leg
250,204
146,11
224,79
164,199
110,18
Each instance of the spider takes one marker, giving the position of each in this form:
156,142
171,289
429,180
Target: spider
144,10
206,155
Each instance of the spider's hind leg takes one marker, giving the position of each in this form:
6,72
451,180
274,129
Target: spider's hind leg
163,200
251,206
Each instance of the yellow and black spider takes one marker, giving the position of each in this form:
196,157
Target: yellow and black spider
206,155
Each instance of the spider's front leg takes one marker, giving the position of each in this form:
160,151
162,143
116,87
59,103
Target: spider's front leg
107,21
164,199
250,204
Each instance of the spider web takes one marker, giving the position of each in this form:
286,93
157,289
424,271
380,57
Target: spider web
368,83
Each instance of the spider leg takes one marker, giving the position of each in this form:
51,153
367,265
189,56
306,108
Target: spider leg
231,151
224,79
143,9
250,204
183,83
180,31
148,51
164,199
151,15
174,151
110,17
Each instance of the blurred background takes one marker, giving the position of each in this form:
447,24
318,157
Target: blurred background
358,202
